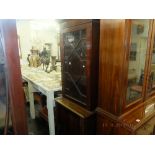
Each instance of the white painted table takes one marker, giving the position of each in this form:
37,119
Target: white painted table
46,83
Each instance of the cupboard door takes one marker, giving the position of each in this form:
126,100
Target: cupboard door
137,57
74,64
3,92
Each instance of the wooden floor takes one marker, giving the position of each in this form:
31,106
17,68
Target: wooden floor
2,119
2,114
37,126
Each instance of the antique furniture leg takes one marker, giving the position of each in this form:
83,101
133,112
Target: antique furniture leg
31,99
50,107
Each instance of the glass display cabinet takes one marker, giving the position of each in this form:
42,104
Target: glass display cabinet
12,108
136,66
79,53
75,65
126,77
79,57
151,81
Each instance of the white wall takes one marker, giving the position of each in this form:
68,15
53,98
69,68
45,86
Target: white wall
23,30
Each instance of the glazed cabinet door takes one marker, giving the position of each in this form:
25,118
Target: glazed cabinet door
151,74
75,46
138,52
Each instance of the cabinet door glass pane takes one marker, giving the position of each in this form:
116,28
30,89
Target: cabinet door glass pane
3,92
137,56
74,67
151,84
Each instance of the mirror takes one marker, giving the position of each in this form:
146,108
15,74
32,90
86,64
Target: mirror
39,42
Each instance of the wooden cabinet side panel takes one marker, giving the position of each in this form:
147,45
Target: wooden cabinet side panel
69,123
111,64
105,126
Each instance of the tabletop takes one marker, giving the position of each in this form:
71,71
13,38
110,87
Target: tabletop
48,81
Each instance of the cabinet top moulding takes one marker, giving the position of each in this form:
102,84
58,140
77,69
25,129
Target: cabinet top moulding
65,23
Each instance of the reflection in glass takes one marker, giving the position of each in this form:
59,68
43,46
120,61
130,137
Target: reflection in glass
138,48
151,85
75,65
3,92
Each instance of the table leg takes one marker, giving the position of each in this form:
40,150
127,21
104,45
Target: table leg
50,107
31,100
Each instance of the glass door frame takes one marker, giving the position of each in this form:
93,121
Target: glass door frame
88,28
152,42
147,59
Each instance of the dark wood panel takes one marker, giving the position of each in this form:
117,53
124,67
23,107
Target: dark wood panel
94,66
72,22
75,108
71,119
9,34
66,122
106,122
138,115
108,126
111,64
104,126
